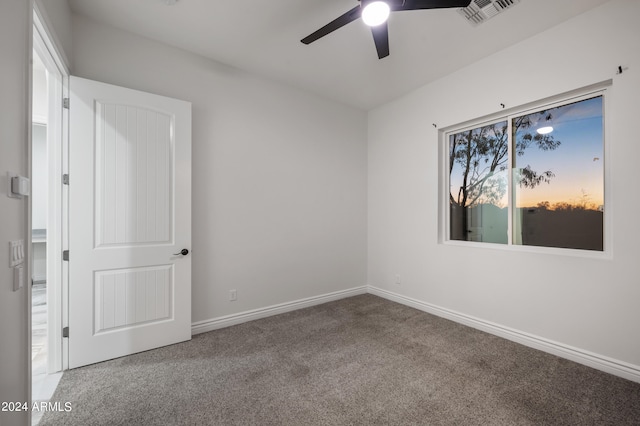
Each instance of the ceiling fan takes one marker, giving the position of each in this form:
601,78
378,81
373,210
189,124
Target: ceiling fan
375,13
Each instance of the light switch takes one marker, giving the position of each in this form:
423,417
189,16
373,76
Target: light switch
16,253
18,277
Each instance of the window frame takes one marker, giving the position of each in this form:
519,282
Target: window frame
602,89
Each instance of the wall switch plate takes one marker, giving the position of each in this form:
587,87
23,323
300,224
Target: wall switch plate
16,253
233,295
398,280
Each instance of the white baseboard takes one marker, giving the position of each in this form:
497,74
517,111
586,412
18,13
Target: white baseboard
242,317
593,360
599,362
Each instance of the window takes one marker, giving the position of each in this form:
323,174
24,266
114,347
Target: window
533,178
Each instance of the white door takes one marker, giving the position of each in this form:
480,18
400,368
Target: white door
129,218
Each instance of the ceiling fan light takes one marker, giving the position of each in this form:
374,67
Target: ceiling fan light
545,130
375,13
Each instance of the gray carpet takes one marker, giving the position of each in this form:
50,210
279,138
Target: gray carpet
357,361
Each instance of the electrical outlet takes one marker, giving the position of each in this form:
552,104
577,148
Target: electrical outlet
233,295
398,281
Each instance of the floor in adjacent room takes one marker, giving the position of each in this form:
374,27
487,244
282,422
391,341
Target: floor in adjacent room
42,384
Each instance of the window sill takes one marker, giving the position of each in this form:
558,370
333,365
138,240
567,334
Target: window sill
552,251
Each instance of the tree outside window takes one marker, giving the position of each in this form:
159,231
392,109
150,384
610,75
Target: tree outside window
557,192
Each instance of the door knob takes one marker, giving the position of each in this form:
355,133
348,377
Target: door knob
183,252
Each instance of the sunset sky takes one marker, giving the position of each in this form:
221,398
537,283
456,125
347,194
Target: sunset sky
577,163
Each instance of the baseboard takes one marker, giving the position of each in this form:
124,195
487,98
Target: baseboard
599,362
242,317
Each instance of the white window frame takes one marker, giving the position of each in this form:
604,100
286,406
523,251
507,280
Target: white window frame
603,89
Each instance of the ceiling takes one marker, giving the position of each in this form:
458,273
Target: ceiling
263,37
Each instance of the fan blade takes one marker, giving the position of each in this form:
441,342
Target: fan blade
339,22
427,4
381,39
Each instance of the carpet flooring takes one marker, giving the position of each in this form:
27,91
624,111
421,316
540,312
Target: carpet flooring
357,361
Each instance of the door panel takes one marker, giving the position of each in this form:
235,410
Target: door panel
132,297
133,175
130,169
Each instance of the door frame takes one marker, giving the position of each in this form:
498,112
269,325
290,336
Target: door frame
57,222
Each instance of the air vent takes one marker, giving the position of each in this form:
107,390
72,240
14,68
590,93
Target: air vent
479,11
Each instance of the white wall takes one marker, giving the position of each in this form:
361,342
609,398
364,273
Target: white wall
39,172
15,120
40,107
39,198
279,175
587,304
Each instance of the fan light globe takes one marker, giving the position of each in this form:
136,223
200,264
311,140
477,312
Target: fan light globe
375,13
545,130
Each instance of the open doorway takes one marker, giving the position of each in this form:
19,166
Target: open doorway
44,380
49,82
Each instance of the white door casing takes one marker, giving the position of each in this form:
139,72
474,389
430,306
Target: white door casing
129,214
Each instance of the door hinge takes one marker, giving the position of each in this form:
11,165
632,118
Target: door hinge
65,179
65,255
65,332
65,103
